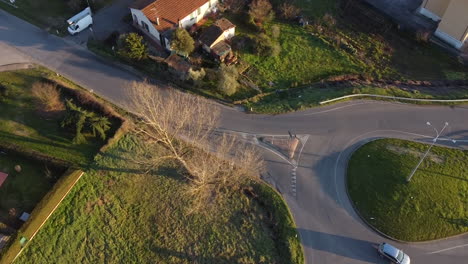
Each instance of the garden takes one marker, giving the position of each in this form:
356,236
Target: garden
432,206
120,213
47,125
291,55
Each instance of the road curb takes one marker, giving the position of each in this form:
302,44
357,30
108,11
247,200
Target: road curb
393,98
16,66
361,144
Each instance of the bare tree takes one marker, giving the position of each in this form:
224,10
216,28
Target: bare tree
216,163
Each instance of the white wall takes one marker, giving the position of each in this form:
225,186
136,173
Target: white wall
142,18
199,14
228,34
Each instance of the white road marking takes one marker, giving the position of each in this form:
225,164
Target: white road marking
447,249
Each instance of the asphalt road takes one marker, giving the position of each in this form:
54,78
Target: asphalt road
330,230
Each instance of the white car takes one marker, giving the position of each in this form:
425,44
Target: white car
393,254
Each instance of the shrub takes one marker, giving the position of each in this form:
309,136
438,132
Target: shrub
264,46
182,42
48,96
289,11
79,119
132,47
197,75
228,79
234,6
275,31
260,11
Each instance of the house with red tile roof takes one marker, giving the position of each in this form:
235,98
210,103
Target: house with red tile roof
159,18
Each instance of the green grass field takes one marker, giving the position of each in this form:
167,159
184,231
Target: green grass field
23,126
433,205
118,214
23,190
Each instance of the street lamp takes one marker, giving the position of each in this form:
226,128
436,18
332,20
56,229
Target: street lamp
434,140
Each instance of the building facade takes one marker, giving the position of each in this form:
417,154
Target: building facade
452,16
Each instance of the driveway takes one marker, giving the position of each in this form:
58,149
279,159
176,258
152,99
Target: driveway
330,230
105,21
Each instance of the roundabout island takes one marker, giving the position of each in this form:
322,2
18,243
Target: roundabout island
433,205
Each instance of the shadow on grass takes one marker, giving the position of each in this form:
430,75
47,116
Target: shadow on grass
461,222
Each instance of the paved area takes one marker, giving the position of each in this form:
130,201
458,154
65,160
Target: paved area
105,21
403,13
330,230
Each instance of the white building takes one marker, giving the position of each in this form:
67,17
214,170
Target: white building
158,18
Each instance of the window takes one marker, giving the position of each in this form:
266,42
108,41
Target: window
145,26
135,19
199,11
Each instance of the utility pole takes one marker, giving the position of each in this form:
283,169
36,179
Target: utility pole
434,141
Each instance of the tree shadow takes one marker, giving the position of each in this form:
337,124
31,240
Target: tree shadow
461,222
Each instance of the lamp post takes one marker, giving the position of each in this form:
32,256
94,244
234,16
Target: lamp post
434,140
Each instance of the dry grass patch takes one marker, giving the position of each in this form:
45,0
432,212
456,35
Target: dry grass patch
48,96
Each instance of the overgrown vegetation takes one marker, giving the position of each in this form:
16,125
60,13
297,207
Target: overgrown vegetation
24,128
132,47
119,213
182,42
433,205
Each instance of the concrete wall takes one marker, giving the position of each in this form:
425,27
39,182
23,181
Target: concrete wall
436,7
454,23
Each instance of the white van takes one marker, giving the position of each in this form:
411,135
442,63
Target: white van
80,21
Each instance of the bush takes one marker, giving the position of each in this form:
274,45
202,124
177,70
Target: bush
228,79
275,32
79,119
48,96
132,47
182,42
264,46
260,11
289,11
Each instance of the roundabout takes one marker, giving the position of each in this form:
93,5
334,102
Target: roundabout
330,229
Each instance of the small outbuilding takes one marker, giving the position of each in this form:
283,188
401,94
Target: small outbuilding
214,38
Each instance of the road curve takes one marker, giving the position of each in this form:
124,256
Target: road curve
330,230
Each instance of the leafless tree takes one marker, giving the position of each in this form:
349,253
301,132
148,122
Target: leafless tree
216,163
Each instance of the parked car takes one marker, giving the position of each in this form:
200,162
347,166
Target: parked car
393,254
80,21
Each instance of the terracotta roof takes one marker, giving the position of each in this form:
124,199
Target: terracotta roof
224,24
3,177
168,11
210,35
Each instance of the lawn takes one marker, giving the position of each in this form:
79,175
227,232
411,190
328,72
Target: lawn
118,214
23,190
339,45
48,14
433,205
23,126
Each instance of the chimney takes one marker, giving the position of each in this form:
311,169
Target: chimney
157,21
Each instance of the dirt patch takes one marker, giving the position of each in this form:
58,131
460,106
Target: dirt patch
401,150
91,205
